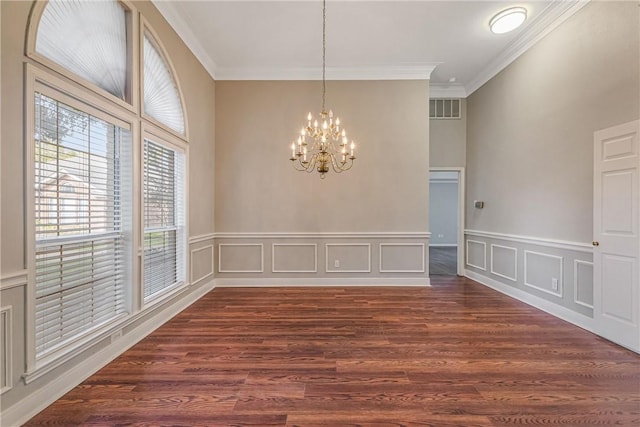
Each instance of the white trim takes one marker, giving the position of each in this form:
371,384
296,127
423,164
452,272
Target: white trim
273,257
388,72
48,393
274,282
201,238
484,252
168,11
549,19
325,235
191,281
554,309
14,280
423,270
461,212
220,245
549,243
560,279
576,262
443,245
515,262
7,346
327,268
447,90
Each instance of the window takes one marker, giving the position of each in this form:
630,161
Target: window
82,219
85,280
161,96
88,38
164,218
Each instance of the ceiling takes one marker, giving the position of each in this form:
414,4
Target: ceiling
446,41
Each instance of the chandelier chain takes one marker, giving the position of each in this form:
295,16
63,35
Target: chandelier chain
324,52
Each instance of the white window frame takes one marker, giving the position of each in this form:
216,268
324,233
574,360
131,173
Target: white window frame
145,26
70,89
133,33
161,137
38,80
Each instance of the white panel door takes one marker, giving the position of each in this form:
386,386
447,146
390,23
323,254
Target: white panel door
616,218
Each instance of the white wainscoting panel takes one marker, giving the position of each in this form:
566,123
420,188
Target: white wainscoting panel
6,349
504,262
583,282
294,258
240,258
353,257
202,259
541,269
402,258
477,254
13,280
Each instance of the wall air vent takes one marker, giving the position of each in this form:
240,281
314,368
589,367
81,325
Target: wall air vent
444,108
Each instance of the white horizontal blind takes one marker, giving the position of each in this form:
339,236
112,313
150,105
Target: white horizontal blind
164,233
81,211
161,97
88,38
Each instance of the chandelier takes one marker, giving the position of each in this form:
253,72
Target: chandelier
323,144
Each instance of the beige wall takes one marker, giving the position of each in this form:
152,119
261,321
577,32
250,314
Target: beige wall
257,189
198,90
448,140
530,128
530,158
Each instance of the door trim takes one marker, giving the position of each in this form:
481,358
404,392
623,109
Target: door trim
461,213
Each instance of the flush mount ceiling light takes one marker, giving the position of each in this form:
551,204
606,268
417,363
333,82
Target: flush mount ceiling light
508,20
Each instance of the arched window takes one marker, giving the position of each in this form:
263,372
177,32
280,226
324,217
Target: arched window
161,97
84,127
88,38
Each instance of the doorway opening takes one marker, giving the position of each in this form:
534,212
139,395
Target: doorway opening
446,221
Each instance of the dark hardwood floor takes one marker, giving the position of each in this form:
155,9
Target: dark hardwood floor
455,354
443,260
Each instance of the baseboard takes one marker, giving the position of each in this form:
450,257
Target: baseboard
556,310
35,402
269,282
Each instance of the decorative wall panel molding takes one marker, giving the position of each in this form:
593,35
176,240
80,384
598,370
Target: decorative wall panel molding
508,267
352,257
200,256
476,254
583,283
327,235
6,349
294,258
201,238
240,258
402,258
12,280
550,243
540,271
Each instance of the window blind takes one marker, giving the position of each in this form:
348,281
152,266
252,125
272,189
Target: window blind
164,231
161,97
88,38
82,210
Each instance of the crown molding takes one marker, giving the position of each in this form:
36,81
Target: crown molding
549,19
409,72
168,10
447,90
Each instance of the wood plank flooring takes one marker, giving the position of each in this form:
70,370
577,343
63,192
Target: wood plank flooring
443,260
455,354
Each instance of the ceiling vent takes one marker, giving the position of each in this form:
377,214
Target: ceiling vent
444,108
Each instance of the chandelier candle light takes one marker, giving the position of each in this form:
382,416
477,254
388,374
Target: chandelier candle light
323,144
